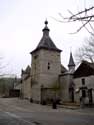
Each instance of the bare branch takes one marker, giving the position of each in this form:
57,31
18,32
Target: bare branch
83,16
82,26
86,52
81,12
91,26
88,30
61,21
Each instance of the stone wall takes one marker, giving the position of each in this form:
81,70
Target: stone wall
46,67
64,84
26,88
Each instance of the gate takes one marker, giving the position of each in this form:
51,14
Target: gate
48,94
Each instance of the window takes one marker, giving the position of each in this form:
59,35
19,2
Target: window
48,65
35,57
83,81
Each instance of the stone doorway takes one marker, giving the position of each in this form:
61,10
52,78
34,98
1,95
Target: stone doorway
71,94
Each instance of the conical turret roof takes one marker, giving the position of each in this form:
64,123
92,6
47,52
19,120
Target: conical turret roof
71,61
46,42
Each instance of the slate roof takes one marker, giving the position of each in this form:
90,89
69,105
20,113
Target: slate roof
84,69
63,69
27,70
71,61
46,42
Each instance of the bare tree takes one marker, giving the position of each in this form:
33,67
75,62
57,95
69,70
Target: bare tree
86,17
3,68
86,52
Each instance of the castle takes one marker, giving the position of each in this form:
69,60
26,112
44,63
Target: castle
47,78
46,72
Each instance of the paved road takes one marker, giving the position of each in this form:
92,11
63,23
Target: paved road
21,112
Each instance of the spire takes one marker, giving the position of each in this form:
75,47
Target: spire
71,64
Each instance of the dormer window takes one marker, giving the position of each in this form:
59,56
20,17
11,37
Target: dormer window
48,65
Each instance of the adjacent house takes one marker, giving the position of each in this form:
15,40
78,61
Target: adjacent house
84,77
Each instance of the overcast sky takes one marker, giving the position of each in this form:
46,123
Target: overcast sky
21,24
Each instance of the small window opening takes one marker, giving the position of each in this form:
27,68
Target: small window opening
48,65
83,81
35,57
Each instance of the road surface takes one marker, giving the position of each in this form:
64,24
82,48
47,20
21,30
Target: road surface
14,111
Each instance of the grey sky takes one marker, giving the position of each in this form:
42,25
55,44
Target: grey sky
21,24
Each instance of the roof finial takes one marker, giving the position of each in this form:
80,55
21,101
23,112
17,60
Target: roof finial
46,22
46,29
70,49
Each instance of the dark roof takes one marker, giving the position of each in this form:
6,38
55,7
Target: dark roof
71,61
63,69
27,70
46,42
84,69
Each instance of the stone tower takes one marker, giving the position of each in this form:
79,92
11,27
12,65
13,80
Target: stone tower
46,64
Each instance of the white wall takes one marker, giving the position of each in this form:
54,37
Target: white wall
89,82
